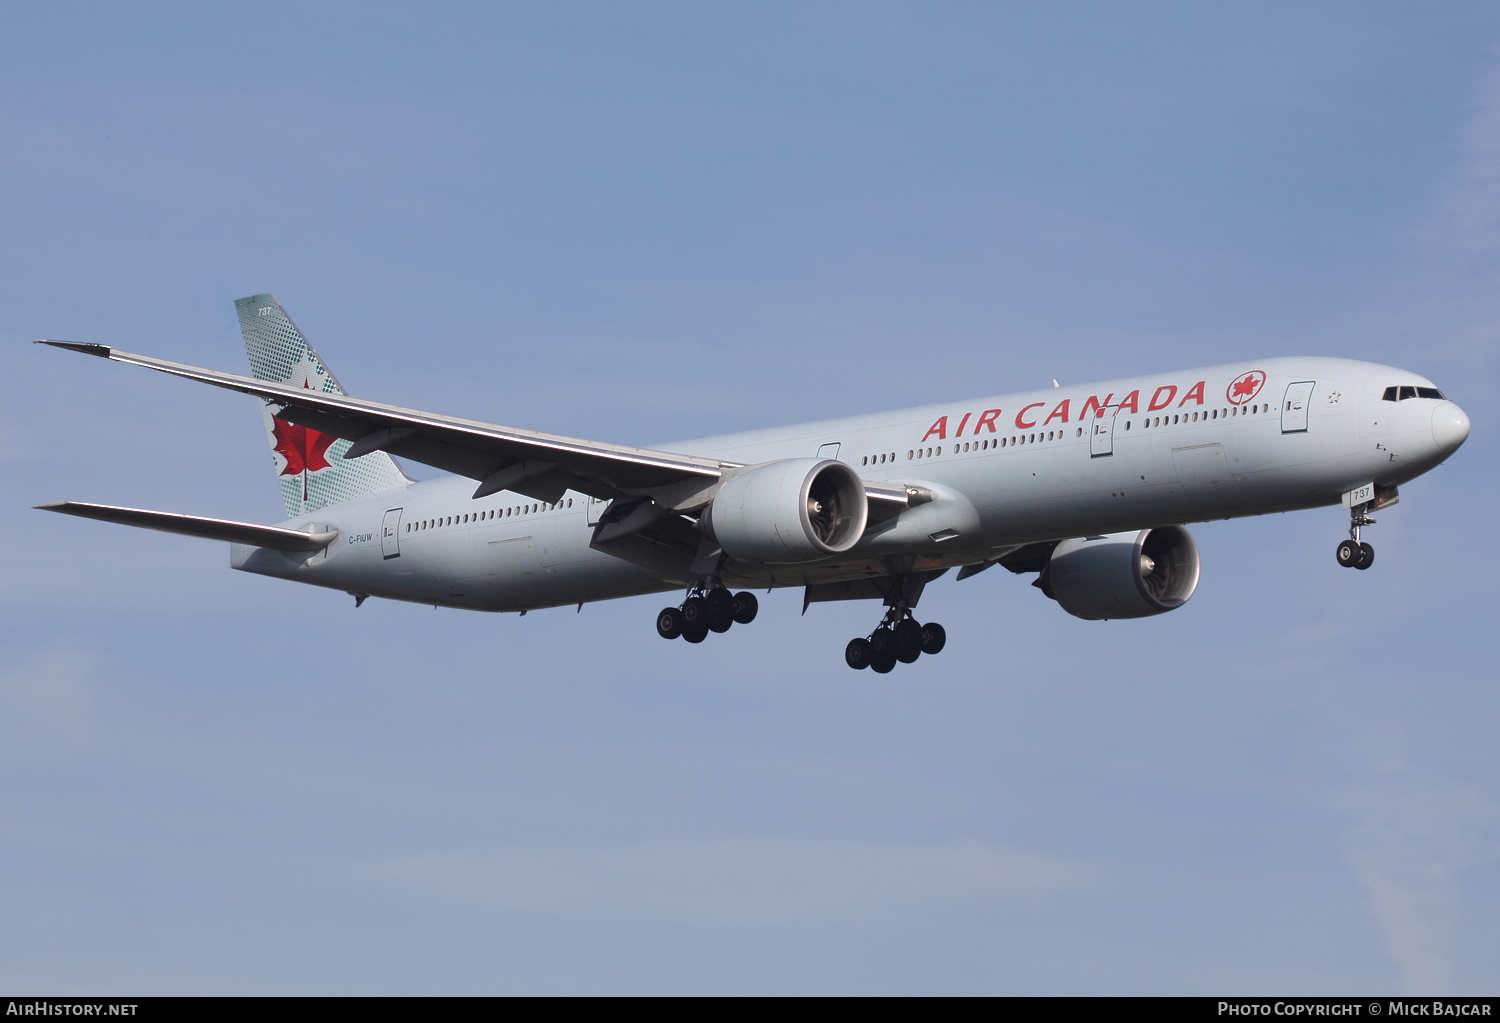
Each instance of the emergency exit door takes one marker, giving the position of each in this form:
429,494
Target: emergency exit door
1102,432
390,534
1294,407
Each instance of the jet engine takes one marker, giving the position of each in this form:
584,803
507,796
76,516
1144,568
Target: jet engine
788,511
1123,575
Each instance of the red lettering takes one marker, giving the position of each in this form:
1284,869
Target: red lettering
1095,404
940,428
1061,410
1196,392
1131,401
987,418
1171,390
1028,408
960,431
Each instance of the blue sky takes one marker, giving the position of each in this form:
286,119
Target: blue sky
639,222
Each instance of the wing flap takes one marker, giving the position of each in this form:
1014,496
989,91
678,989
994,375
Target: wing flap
277,538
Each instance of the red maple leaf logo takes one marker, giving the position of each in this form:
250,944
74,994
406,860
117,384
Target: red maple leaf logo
302,448
1246,387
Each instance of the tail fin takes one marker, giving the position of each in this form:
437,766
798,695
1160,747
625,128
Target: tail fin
309,465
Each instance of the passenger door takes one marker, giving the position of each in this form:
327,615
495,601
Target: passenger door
829,451
1294,407
1102,432
390,534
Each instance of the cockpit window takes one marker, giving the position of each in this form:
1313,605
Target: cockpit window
1402,393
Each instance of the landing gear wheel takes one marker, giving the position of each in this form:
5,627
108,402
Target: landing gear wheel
695,633
1366,557
858,654
908,636
719,603
695,613
883,645
745,607
934,638
720,626
883,664
1348,554
669,623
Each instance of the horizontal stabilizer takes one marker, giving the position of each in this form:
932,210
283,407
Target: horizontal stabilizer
278,538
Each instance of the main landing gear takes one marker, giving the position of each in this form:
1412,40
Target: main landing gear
1354,553
900,637
714,609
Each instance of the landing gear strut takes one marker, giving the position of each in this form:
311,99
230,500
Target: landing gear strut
899,637
707,609
1353,552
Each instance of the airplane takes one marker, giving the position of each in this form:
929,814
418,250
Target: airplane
1089,487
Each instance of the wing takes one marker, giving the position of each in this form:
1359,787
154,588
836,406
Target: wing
540,465
277,538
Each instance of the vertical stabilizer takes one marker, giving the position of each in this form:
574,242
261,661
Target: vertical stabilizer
309,465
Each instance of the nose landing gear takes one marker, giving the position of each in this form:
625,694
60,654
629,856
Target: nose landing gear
1353,552
711,609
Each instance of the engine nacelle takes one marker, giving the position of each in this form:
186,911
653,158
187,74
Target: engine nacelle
788,511
1124,575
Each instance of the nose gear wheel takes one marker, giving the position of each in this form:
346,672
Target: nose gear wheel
1354,552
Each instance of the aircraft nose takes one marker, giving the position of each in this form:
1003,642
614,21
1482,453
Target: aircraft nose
1450,427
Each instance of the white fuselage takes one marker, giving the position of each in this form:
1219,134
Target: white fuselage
1008,470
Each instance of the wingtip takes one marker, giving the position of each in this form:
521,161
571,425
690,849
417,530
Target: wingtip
77,346
51,506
